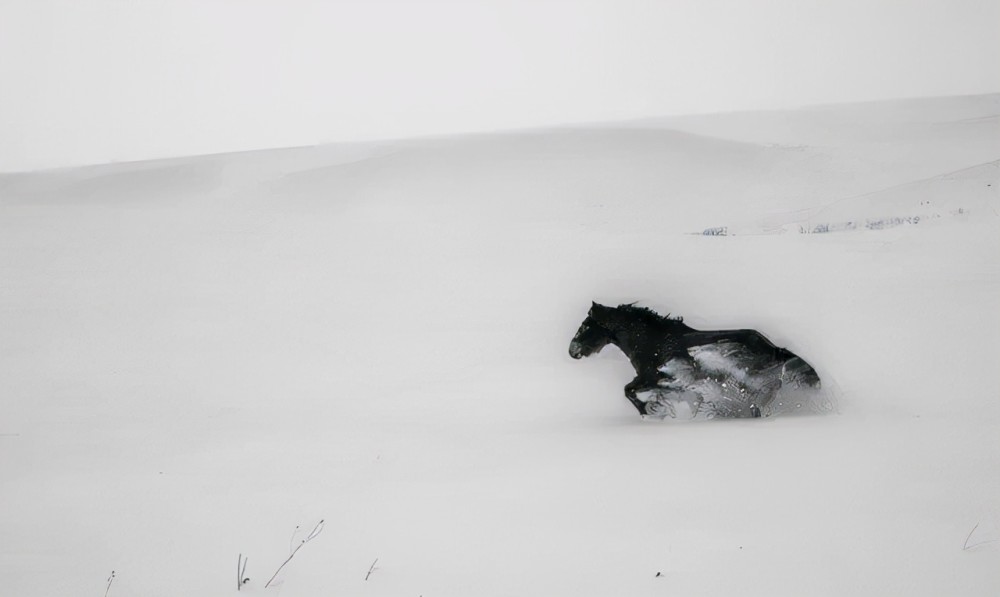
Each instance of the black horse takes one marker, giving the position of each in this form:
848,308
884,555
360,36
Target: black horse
731,373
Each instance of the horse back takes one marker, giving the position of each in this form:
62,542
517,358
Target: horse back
751,340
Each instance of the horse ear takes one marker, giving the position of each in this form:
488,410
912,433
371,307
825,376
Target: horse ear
597,312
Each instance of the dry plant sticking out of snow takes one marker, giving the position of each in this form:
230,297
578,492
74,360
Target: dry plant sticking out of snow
371,569
983,537
312,535
241,571
111,579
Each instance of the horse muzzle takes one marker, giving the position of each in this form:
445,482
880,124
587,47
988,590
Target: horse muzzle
575,350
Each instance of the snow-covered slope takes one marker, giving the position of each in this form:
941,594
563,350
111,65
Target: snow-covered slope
199,354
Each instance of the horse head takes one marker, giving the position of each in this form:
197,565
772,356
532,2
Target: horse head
593,334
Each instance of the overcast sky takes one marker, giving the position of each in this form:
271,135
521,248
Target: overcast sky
93,81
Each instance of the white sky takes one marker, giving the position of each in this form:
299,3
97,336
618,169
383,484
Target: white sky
92,81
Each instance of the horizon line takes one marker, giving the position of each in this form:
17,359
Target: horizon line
489,132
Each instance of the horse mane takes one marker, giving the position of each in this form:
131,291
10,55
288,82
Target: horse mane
647,313
630,315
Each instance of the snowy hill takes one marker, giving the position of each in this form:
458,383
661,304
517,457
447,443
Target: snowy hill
199,354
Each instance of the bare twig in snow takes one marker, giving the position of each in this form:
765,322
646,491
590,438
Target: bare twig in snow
241,571
372,568
966,545
111,579
312,535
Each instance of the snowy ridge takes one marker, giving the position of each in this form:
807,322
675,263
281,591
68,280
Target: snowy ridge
975,189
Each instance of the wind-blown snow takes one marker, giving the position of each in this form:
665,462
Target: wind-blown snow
199,354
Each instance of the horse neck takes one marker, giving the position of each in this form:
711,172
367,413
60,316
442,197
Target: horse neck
631,341
639,342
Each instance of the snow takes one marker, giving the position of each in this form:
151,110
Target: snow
201,354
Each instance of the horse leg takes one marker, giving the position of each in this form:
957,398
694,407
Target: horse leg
664,379
638,404
633,388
